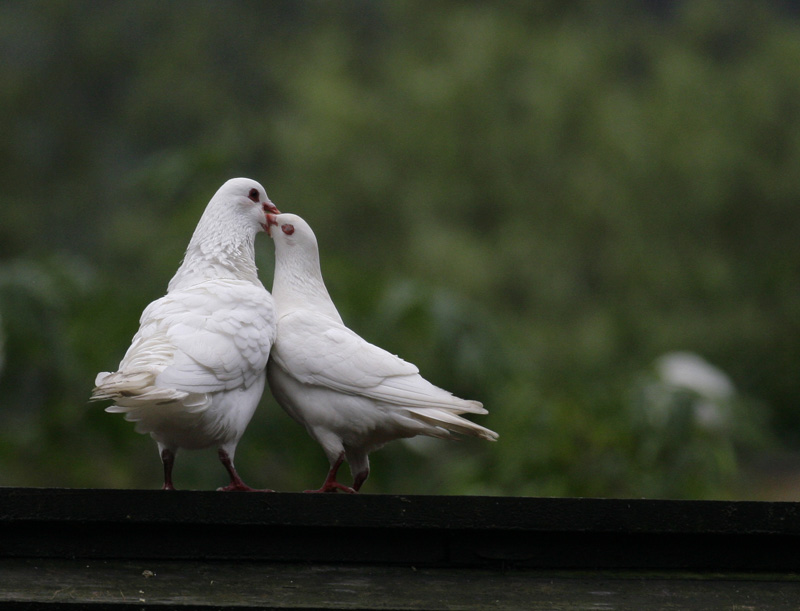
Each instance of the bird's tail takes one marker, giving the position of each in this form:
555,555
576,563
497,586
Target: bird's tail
133,392
448,421
144,404
130,389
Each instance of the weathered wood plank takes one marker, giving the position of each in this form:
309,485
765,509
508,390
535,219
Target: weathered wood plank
176,584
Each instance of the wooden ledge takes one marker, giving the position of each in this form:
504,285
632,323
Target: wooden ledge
131,549
541,533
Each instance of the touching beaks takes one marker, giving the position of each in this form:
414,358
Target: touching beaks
270,210
271,220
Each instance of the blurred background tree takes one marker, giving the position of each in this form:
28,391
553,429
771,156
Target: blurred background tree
582,214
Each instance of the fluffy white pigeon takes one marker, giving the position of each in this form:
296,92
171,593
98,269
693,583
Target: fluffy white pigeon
351,396
195,370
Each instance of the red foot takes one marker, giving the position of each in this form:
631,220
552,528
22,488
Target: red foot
332,487
236,485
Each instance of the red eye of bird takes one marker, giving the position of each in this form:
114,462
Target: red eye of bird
287,229
253,195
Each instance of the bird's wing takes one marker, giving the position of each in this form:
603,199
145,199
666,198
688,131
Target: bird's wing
207,338
221,333
317,350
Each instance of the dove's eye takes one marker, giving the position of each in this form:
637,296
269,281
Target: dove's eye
287,229
253,195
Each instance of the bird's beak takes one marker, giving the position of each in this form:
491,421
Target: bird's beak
269,210
271,220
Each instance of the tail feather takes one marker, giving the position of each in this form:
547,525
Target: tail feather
451,422
133,391
122,384
416,391
126,398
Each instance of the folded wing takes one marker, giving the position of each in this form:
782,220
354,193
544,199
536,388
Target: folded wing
319,351
210,337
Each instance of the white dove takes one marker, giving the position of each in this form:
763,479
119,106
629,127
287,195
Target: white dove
195,370
351,396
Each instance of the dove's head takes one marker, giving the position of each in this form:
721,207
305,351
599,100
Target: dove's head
289,231
298,278
223,242
245,201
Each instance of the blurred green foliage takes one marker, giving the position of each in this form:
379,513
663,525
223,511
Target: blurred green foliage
533,202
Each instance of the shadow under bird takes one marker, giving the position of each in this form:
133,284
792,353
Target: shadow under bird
195,370
352,396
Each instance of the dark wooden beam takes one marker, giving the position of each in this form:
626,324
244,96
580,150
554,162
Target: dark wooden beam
112,548
418,530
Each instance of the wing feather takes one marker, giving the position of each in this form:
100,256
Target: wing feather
209,337
316,350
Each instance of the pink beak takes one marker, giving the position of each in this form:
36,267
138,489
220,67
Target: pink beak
270,209
271,220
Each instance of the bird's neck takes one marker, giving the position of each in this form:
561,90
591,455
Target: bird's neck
216,253
298,285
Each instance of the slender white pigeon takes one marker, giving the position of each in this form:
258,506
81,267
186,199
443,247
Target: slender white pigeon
196,369
352,396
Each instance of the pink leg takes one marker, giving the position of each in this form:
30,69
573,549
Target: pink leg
168,458
331,485
236,485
